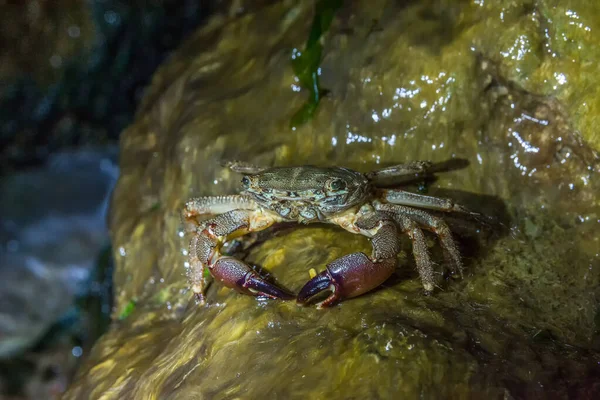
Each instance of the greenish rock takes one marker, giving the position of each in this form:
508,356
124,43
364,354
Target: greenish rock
437,80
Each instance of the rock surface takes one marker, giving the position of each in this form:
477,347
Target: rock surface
506,86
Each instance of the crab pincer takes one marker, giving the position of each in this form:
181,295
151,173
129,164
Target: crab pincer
236,275
348,276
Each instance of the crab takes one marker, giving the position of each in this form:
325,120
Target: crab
358,202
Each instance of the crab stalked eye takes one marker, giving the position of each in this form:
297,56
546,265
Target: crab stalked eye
337,184
246,181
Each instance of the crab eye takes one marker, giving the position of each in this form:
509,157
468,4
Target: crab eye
245,181
337,184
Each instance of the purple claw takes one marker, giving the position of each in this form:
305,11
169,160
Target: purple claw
348,276
318,284
240,277
255,285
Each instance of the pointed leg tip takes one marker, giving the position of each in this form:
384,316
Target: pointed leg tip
456,271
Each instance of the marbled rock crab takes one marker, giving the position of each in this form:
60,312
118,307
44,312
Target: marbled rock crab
355,201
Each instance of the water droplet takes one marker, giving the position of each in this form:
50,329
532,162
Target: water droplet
77,351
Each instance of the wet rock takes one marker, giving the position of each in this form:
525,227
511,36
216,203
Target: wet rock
405,83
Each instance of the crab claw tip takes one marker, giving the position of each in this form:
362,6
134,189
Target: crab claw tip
316,285
259,287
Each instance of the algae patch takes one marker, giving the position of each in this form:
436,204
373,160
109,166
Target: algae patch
306,63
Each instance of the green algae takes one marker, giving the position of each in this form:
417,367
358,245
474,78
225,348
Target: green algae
127,310
306,63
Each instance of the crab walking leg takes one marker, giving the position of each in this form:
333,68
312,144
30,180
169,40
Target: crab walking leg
212,205
244,167
409,169
401,197
433,224
205,251
419,245
355,274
